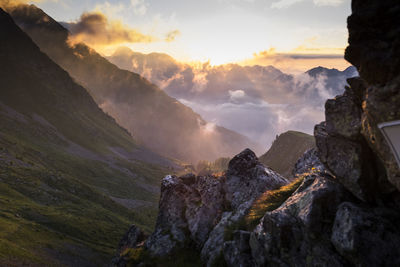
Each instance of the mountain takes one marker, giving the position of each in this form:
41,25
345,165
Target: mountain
256,101
71,179
286,150
158,121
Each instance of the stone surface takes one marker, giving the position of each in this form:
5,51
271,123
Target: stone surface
350,161
195,210
376,54
189,208
134,237
367,236
297,233
308,163
238,252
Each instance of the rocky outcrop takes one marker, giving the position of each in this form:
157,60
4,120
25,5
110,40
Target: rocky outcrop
190,206
195,211
346,210
376,54
308,163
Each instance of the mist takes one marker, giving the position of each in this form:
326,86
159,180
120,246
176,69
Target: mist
256,101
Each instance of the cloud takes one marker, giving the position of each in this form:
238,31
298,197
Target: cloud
236,95
170,37
256,101
139,7
284,3
287,3
94,28
328,2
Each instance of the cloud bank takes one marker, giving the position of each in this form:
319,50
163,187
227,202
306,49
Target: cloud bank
94,28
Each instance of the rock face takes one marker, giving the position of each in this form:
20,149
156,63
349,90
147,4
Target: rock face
297,233
346,210
195,211
376,54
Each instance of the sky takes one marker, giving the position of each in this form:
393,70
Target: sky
222,31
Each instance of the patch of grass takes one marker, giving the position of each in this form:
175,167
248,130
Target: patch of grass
270,201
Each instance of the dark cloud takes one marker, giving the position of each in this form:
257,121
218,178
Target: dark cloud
94,28
171,36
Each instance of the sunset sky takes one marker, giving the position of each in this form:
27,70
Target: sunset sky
290,34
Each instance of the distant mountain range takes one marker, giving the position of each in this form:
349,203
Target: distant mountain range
256,101
158,121
71,179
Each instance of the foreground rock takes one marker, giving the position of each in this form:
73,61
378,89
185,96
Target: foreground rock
195,211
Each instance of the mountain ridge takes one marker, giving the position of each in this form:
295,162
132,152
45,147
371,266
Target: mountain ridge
71,178
158,121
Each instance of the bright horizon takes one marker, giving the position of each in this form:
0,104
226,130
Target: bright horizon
293,35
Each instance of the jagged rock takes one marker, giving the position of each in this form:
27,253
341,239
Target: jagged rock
247,178
242,163
238,252
297,233
196,210
133,238
242,187
367,236
350,161
309,162
343,117
189,208
376,54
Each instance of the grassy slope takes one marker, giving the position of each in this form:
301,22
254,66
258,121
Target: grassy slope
286,150
56,170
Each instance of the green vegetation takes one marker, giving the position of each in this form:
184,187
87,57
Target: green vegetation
270,201
60,180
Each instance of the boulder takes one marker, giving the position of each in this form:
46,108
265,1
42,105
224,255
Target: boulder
367,236
238,252
189,208
297,233
350,161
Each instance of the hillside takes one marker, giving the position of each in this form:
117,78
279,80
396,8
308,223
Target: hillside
286,150
158,121
64,165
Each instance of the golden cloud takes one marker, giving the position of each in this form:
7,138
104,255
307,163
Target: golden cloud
94,28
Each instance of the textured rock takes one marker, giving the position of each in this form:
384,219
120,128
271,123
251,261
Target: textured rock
376,54
343,117
350,161
297,233
189,208
309,162
195,210
238,252
367,236
133,238
247,178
